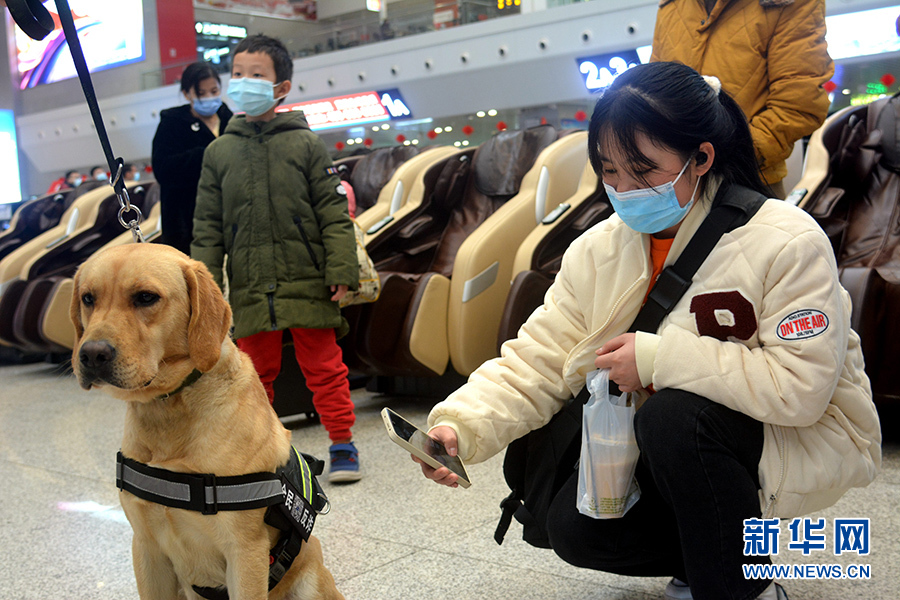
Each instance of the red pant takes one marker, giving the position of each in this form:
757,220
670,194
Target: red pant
322,364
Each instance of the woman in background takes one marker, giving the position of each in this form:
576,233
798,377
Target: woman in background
183,134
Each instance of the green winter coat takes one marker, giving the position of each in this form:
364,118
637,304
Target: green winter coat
269,199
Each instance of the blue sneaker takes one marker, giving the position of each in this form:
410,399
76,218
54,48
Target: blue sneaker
344,464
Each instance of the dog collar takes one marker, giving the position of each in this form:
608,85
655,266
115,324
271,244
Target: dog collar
188,381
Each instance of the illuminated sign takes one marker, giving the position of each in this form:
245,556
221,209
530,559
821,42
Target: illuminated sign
355,109
374,5
220,30
598,72
10,190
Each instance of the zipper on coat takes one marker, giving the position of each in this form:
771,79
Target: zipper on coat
271,297
306,243
769,511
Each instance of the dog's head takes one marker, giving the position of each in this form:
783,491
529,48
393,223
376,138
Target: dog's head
145,316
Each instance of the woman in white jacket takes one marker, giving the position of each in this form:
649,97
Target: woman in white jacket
753,401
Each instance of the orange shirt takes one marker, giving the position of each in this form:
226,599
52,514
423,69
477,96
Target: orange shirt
659,250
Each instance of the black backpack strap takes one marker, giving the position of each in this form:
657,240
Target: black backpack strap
732,207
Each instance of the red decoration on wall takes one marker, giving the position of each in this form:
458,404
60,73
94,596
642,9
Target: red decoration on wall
431,134
339,146
148,168
888,80
501,126
468,130
368,142
543,120
401,138
829,86
580,115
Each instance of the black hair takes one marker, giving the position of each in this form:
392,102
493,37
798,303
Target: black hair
194,73
676,108
95,168
69,174
281,58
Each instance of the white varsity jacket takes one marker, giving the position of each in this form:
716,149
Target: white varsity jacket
764,329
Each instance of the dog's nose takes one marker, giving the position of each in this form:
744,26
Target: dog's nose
96,354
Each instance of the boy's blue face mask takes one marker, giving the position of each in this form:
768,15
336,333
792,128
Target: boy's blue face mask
652,209
252,96
207,107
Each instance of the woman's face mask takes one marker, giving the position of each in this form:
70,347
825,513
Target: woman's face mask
207,107
652,209
252,96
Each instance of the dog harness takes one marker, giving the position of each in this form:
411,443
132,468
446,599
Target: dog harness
292,495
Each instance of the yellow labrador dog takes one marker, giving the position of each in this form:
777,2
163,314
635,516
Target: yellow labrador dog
153,330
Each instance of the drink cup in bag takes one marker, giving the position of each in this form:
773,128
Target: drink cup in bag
609,453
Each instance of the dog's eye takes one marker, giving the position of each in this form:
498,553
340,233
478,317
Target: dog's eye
87,299
145,299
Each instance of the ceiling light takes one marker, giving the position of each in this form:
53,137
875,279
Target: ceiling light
448,129
385,127
350,142
415,142
465,142
439,130
479,114
358,140
457,144
492,113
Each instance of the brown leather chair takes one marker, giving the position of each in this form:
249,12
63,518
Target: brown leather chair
33,218
405,333
404,188
856,200
372,172
483,267
539,257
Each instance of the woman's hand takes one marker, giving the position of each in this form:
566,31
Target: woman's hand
444,476
339,292
618,356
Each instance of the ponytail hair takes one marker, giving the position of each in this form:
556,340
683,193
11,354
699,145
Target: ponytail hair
675,107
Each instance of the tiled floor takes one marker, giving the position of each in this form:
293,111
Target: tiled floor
393,535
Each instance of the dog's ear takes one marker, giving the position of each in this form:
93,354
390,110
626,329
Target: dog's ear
75,309
210,316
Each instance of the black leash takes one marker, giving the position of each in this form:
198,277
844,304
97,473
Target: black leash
36,22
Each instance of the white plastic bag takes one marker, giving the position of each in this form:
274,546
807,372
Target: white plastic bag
609,453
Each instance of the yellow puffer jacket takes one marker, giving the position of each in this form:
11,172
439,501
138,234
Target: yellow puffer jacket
770,55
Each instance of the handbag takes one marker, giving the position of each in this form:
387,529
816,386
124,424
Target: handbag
538,464
369,282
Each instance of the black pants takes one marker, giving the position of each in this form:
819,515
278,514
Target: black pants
698,479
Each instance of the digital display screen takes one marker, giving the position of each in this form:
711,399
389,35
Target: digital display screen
863,33
10,189
421,440
111,34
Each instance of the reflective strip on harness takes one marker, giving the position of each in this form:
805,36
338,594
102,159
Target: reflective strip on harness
202,492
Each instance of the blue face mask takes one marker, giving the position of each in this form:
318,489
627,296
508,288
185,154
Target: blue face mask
207,107
252,96
653,209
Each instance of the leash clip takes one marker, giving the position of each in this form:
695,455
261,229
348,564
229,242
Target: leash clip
135,224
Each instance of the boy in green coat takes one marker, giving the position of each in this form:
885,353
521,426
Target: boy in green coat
270,199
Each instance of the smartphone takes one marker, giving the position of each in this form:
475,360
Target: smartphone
423,446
